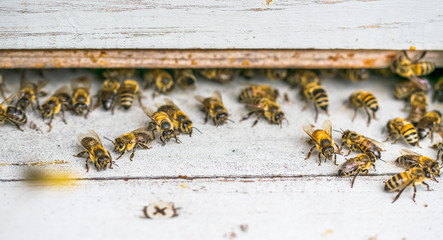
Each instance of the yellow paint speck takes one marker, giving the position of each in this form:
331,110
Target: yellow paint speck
412,47
183,186
329,231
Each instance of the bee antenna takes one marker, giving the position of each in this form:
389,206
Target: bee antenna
335,130
286,121
197,130
108,139
230,120
382,160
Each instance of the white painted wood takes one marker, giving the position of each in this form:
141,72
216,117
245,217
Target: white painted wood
383,24
234,149
307,208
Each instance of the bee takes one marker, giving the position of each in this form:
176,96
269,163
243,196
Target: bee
365,100
264,107
118,73
128,91
248,73
413,69
355,165
357,142
384,72
302,78
220,75
315,93
3,87
355,75
160,79
332,72
275,74
29,93
419,107
322,138
428,124
81,101
399,127
439,147
410,159
405,89
163,124
140,137
258,91
438,91
400,181
95,150
11,114
181,121
108,94
185,78
58,102
214,108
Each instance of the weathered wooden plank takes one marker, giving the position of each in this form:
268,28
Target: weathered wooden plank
308,208
282,24
234,149
204,58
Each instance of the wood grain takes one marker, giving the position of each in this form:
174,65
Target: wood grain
264,58
229,24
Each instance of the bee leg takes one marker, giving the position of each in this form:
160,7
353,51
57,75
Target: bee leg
415,191
335,160
309,154
176,139
86,164
256,121
206,117
369,116
349,152
400,192
306,106
162,140
438,154
247,116
373,115
355,114
121,155
427,187
87,113
319,159
132,154
50,123
397,137
81,153
353,179
63,116
316,112
16,124
97,104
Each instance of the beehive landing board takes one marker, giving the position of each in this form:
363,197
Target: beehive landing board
241,175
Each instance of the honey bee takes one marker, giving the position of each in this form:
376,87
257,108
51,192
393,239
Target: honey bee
322,138
410,159
185,78
400,181
81,101
181,121
264,107
140,137
275,74
118,74
163,124
419,107
29,93
438,91
355,165
365,100
413,69
214,108
3,88
160,79
95,150
248,73
13,115
428,124
317,94
58,102
439,147
258,91
128,91
355,75
357,142
404,90
332,72
220,75
302,78
108,94
399,127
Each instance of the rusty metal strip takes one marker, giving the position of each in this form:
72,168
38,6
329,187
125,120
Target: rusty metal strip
198,58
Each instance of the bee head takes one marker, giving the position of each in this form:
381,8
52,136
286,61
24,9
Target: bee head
363,74
187,126
345,135
168,134
165,125
435,169
427,172
187,81
220,117
103,161
80,108
119,145
279,117
23,103
372,156
46,111
328,152
377,154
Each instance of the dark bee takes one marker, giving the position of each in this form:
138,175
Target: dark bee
438,91
140,137
160,79
355,165
413,69
315,93
355,75
418,107
95,150
214,108
275,74
405,89
29,93
185,78
181,121
258,91
3,88
128,91
399,127
118,74
365,100
220,75
163,124
358,142
13,115
58,102
108,94
248,73
302,78
264,107
322,140
429,124
81,100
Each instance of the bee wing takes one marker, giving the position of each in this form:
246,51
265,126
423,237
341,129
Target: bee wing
157,104
93,134
327,126
42,84
23,79
422,83
217,95
170,102
81,82
407,152
377,143
10,98
351,165
149,112
309,129
62,89
200,98
81,136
